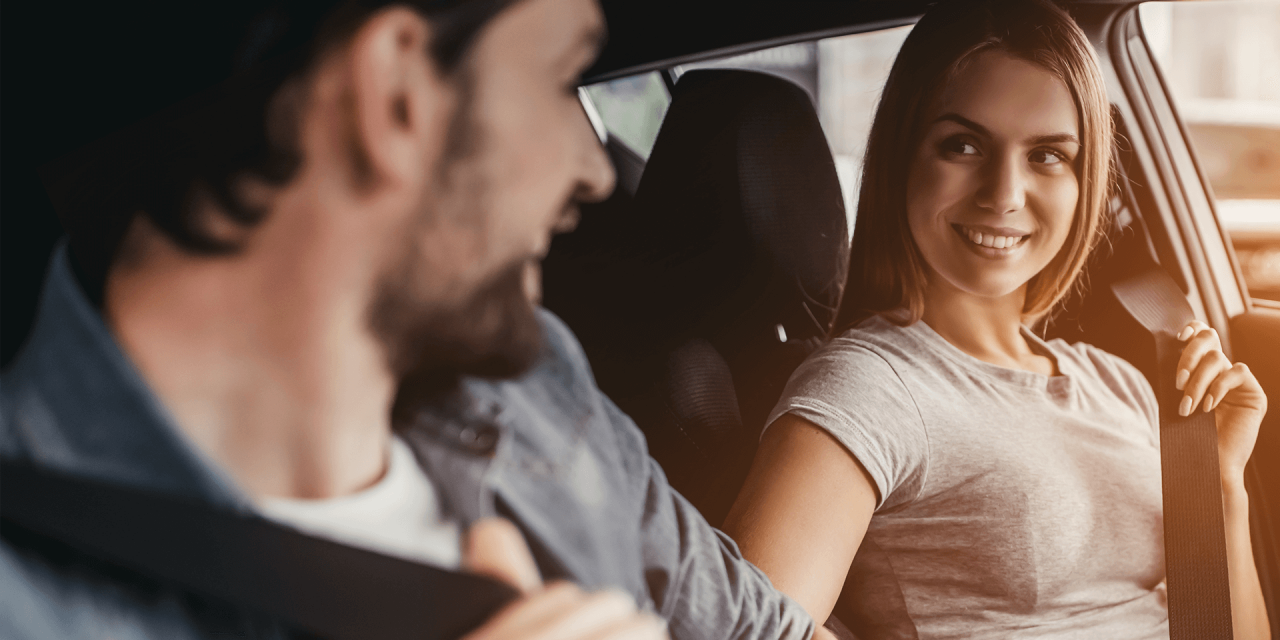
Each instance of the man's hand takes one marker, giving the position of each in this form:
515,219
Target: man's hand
556,611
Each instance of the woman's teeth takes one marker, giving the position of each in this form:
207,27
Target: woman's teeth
995,242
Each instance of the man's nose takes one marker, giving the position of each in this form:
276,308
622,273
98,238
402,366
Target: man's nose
596,177
1004,188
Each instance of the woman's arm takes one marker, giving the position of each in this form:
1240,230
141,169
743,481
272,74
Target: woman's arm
1248,609
802,513
1211,382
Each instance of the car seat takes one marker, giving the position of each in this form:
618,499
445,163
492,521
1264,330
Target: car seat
695,300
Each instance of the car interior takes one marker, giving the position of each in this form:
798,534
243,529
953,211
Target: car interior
717,264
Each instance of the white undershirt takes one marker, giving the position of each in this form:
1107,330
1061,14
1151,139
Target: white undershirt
398,516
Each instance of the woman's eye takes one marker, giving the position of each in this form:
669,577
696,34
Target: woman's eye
1046,156
960,147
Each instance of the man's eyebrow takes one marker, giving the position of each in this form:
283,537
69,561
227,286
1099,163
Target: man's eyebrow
1048,138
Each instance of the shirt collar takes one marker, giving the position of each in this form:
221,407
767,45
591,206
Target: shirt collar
80,406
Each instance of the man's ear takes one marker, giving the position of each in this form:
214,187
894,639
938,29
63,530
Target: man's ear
399,103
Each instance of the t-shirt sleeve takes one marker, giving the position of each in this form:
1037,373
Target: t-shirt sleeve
853,393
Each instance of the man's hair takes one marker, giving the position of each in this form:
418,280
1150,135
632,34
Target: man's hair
887,272
199,149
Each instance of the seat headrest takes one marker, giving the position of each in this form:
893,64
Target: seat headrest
740,209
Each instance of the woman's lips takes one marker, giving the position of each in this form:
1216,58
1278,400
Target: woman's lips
1001,239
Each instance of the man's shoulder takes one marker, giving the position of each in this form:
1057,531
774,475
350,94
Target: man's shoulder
58,595
561,377
24,414
559,394
561,343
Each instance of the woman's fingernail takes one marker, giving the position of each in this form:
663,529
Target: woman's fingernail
1208,403
1184,409
1181,380
1185,333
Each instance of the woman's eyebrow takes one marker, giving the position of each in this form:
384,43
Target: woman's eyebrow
962,121
1048,138
1056,137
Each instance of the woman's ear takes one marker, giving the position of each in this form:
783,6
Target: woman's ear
399,105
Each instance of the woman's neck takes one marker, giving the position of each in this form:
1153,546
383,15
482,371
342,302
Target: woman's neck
989,329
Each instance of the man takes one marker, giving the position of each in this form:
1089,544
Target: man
346,230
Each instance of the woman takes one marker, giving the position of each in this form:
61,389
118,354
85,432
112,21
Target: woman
1012,484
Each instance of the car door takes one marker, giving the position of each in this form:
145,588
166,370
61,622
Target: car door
1170,190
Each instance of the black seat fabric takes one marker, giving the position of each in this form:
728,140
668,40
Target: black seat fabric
696,299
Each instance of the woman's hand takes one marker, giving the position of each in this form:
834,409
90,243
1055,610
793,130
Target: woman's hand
1211,383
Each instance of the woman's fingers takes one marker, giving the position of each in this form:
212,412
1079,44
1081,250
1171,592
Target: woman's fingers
1200,339
1207,369
1232,378
1191,329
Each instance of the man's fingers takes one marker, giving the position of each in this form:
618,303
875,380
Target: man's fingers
529,615
642,627
562,611
496,549
604,614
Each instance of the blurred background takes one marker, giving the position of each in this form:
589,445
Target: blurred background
1221,59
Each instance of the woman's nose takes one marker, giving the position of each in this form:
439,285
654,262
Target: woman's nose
1003,187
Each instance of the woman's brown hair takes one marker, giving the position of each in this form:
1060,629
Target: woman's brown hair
886,270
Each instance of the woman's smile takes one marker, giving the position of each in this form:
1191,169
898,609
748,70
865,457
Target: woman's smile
992,242
993,189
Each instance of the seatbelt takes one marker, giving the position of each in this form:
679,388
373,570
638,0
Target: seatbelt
311,584
1195,546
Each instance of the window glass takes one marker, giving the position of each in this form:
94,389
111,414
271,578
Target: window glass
632,109
1221,61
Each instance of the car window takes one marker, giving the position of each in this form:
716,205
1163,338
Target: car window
632,108
1221,62
843,75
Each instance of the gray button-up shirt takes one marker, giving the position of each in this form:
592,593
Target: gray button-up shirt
547,450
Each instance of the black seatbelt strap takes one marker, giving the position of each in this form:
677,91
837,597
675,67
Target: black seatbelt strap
311,584
1195,546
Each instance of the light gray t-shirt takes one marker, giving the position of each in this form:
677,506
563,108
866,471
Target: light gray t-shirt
1012,504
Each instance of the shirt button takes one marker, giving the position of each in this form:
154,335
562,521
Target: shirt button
479,439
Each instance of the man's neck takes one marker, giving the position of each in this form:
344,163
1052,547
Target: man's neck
282,386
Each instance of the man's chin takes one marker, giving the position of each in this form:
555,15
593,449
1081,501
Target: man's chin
496,334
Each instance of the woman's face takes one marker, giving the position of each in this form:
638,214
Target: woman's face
993,187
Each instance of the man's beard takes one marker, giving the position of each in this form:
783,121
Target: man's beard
492,332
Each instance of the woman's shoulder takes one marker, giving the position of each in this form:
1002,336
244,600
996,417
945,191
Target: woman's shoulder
1116,374
1096,360
879,338
874,354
